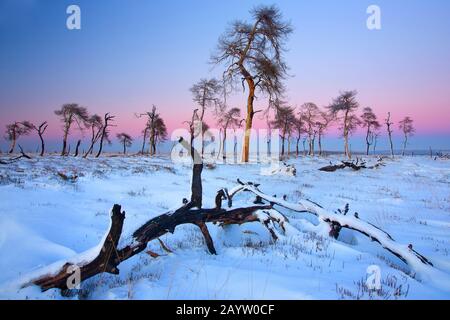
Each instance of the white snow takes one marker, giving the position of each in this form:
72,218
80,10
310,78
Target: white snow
46,221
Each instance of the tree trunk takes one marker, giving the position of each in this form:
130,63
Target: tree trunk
391,144
64,147
77,148
388,124
289,147
309,145
13,145
249,119
404,145
196,184
347,151
152,138
224,148
320,144
42,144
367,139
282,146
143,141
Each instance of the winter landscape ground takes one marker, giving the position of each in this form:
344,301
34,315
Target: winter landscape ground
46,218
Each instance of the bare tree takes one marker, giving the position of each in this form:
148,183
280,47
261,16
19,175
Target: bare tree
310,115
70,113
126,140
346,105
406,125
206,94
40,131
229,119
96,125
389,124
322,125
107,119
370,122
153,118
160,131
16,130
252,53
284,121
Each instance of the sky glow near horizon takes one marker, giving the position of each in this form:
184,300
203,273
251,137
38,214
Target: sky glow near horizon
130,55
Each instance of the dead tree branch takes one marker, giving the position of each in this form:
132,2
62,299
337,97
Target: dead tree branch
355,165
12,160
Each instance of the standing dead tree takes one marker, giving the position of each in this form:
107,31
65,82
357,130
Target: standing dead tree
16,130
370,122
126,140
252,54
389,124
96,125
406,125
346,105
107,119
70,113
40,131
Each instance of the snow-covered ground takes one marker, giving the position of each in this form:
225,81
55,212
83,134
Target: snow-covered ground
45,219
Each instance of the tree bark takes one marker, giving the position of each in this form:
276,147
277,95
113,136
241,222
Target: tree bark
367,139
320,144
249,119
13,145
42,144
388,124
404,145
347,151
110,256
77,148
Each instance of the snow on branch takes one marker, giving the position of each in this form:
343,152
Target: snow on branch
336,222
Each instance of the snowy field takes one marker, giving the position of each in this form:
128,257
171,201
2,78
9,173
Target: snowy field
45,218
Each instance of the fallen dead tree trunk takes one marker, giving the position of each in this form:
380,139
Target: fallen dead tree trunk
355,165
336,222
110,256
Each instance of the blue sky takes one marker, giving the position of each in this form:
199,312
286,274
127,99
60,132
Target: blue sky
132,54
